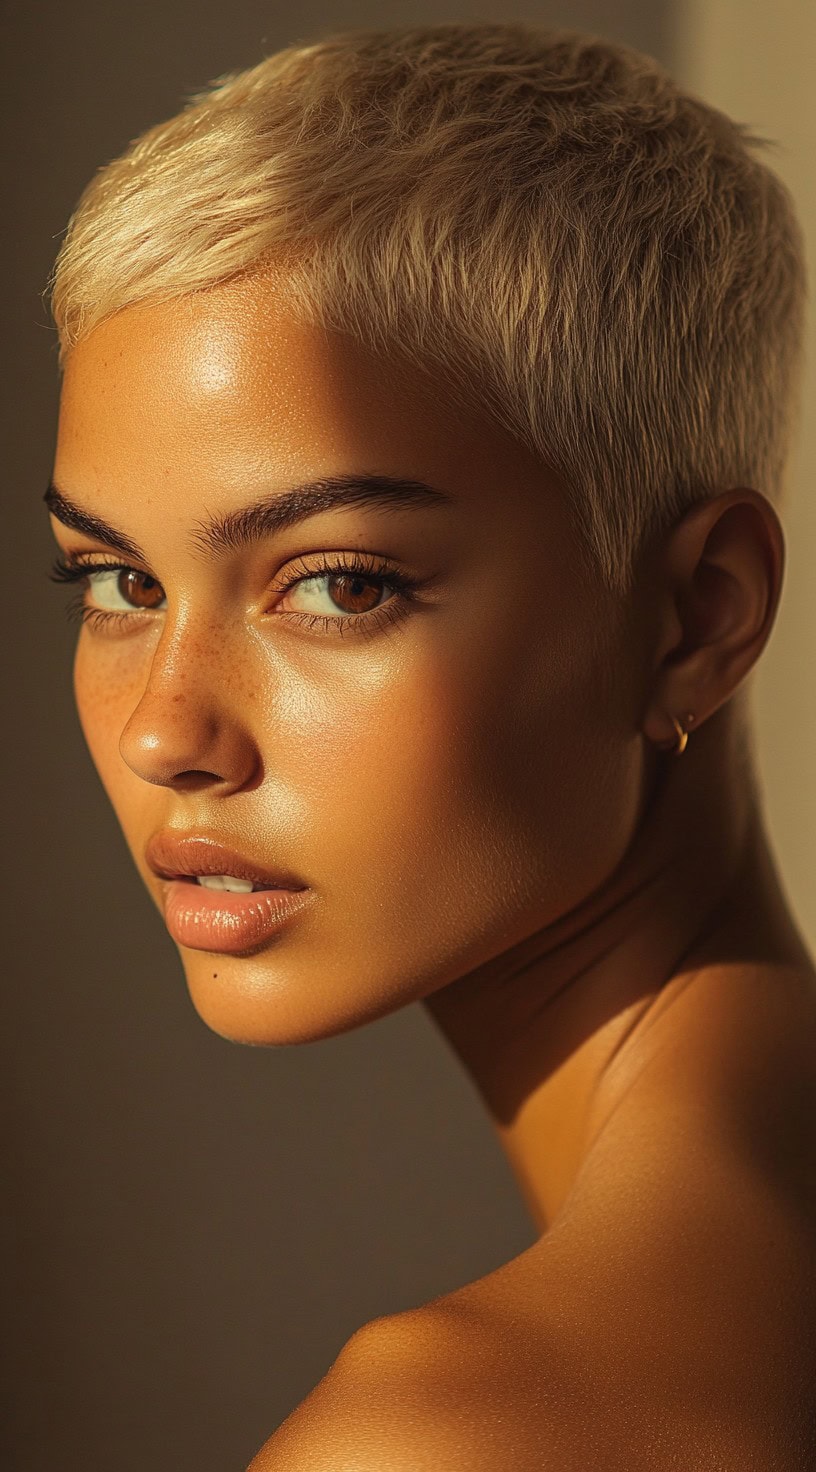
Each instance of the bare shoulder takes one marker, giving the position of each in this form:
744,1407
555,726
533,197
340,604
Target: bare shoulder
423,1391
668,1319
460,1387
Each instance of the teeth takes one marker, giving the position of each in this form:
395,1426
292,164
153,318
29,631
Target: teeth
226,881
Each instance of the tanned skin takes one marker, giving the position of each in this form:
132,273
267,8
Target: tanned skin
479,794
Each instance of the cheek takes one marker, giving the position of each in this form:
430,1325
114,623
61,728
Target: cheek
461,802
105,694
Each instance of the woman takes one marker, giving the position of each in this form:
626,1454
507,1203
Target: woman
427,399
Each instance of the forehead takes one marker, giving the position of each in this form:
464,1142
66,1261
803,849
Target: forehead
232,365
220,393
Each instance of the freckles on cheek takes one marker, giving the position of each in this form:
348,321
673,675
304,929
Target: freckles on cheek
105,695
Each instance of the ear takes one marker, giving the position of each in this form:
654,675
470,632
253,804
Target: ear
718,583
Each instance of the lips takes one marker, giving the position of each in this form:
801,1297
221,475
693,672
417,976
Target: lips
173,855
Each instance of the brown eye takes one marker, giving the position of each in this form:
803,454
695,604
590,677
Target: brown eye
139,588
335,593
352,593
123,590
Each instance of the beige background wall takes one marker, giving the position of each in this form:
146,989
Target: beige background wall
194,1228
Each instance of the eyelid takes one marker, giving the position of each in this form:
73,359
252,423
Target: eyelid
352,560
96,562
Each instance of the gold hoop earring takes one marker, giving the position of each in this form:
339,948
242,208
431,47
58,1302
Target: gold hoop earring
679,746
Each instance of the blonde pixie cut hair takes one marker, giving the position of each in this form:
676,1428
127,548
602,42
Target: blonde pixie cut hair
541,219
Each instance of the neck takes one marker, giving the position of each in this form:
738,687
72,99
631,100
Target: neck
537,1026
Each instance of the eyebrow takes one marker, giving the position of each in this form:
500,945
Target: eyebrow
261,518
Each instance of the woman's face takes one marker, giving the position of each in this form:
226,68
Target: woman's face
449,766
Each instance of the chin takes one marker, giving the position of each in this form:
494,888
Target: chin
248,1000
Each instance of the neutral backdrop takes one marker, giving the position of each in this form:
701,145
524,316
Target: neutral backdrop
194,1228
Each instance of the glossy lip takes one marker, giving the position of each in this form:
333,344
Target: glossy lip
215,920
173,855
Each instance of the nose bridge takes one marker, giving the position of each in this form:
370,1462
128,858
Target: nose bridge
190,654
189,717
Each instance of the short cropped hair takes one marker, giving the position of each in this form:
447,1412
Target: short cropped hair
541,219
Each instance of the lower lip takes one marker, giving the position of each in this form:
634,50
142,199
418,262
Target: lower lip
216,920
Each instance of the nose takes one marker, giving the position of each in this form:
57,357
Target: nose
187,732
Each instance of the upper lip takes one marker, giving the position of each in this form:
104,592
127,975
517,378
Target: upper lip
173,855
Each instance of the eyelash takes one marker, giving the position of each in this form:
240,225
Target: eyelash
73,569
